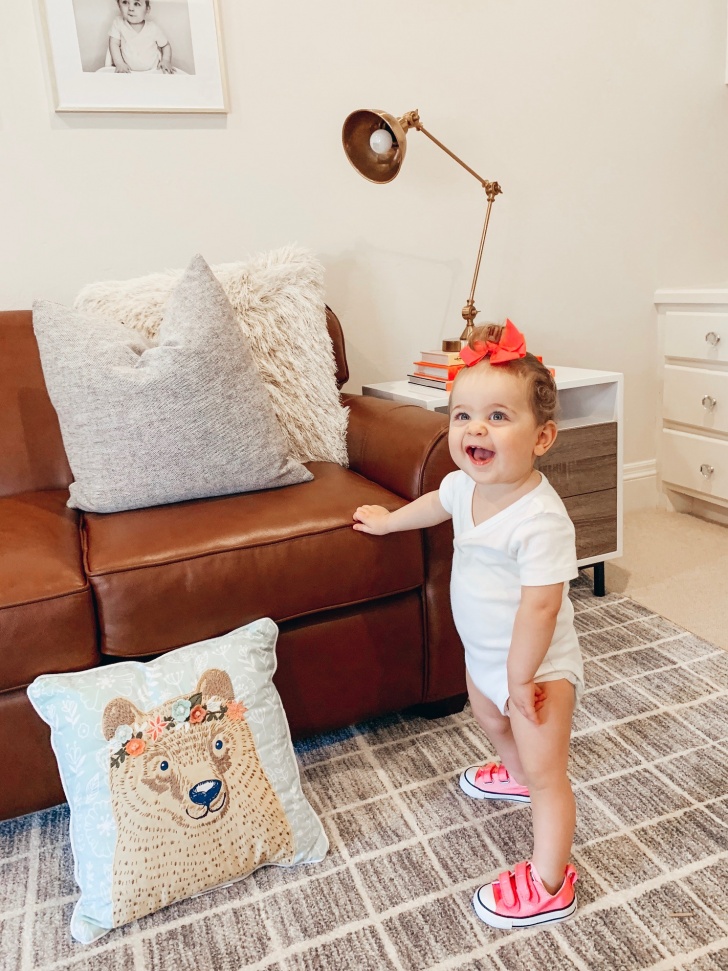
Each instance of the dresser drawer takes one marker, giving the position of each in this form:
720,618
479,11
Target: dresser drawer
595,520
582,459
688,396
688,335
683,455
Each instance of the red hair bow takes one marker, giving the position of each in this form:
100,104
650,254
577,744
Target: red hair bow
510,347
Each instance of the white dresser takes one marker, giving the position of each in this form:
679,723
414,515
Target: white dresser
692,462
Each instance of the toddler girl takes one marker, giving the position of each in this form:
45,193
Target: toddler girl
136,43
514,557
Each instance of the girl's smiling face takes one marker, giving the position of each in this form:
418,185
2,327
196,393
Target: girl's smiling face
133,11
493,434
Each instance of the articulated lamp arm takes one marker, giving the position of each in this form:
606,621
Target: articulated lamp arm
375,143
492,189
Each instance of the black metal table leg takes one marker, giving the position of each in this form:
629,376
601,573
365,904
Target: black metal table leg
599,587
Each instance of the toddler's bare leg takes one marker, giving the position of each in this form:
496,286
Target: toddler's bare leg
544,751
498,729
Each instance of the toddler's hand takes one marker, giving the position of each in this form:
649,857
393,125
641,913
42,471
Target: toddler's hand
166,68
528,698
122,69
372,519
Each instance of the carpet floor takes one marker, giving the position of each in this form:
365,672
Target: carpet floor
675,564
650,769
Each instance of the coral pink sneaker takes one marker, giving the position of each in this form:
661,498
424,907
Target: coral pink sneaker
518,898
492,781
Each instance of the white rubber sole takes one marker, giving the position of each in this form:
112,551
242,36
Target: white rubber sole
475,793
489,916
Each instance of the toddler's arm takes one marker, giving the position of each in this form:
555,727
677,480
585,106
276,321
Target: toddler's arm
166,62
533,631
425,511
118,61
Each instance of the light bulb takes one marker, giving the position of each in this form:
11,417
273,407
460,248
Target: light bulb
380,141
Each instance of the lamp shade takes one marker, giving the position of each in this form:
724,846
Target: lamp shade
356,135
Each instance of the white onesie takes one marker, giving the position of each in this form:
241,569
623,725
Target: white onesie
530,543
141,50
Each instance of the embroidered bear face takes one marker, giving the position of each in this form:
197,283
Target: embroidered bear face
178,757
192,802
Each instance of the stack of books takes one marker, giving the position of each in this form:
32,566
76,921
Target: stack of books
436,369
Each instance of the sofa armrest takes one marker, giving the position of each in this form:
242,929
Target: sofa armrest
401,447
404,449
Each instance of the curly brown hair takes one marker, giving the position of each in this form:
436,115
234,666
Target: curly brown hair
544,397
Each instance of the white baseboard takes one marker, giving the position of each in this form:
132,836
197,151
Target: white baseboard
677,502
640,485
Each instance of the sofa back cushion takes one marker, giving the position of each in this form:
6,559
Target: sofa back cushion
32,457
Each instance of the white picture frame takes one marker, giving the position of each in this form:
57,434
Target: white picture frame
89,73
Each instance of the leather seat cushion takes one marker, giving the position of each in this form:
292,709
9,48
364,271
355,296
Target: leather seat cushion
46,608
176,574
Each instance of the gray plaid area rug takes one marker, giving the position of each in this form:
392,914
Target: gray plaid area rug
650,768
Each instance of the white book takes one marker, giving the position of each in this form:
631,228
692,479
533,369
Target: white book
441,357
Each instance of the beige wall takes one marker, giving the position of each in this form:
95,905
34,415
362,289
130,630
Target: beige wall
605,122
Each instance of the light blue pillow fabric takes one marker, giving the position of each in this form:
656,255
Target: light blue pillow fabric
180,775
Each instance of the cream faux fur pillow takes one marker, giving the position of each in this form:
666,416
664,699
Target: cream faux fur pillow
278,300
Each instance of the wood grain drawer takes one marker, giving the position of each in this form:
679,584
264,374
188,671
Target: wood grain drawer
582,460
684,390
685,336
683,455
595,519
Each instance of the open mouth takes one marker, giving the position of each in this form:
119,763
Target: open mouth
479,456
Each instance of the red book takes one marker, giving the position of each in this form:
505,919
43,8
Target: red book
446,371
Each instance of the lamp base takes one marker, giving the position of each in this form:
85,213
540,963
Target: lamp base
451,346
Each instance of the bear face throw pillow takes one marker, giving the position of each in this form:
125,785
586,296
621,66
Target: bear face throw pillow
180,775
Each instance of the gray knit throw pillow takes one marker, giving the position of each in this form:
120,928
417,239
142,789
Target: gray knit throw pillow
144,425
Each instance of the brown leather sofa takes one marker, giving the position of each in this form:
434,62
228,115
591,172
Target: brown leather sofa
365,623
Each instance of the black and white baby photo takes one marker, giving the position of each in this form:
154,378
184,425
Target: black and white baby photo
135,36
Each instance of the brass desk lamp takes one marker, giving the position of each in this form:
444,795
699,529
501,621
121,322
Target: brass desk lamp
375,143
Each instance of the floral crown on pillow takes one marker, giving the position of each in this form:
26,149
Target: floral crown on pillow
129,739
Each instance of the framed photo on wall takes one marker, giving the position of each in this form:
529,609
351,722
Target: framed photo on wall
135,55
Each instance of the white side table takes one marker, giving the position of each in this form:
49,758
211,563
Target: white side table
585,465
410,394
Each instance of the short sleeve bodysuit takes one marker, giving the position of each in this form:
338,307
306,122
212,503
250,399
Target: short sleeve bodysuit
529,543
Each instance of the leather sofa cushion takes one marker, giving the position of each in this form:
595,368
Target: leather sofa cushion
46,608
176,574
31,447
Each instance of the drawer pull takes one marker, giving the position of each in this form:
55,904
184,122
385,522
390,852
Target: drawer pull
706,470
708,402
712,338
